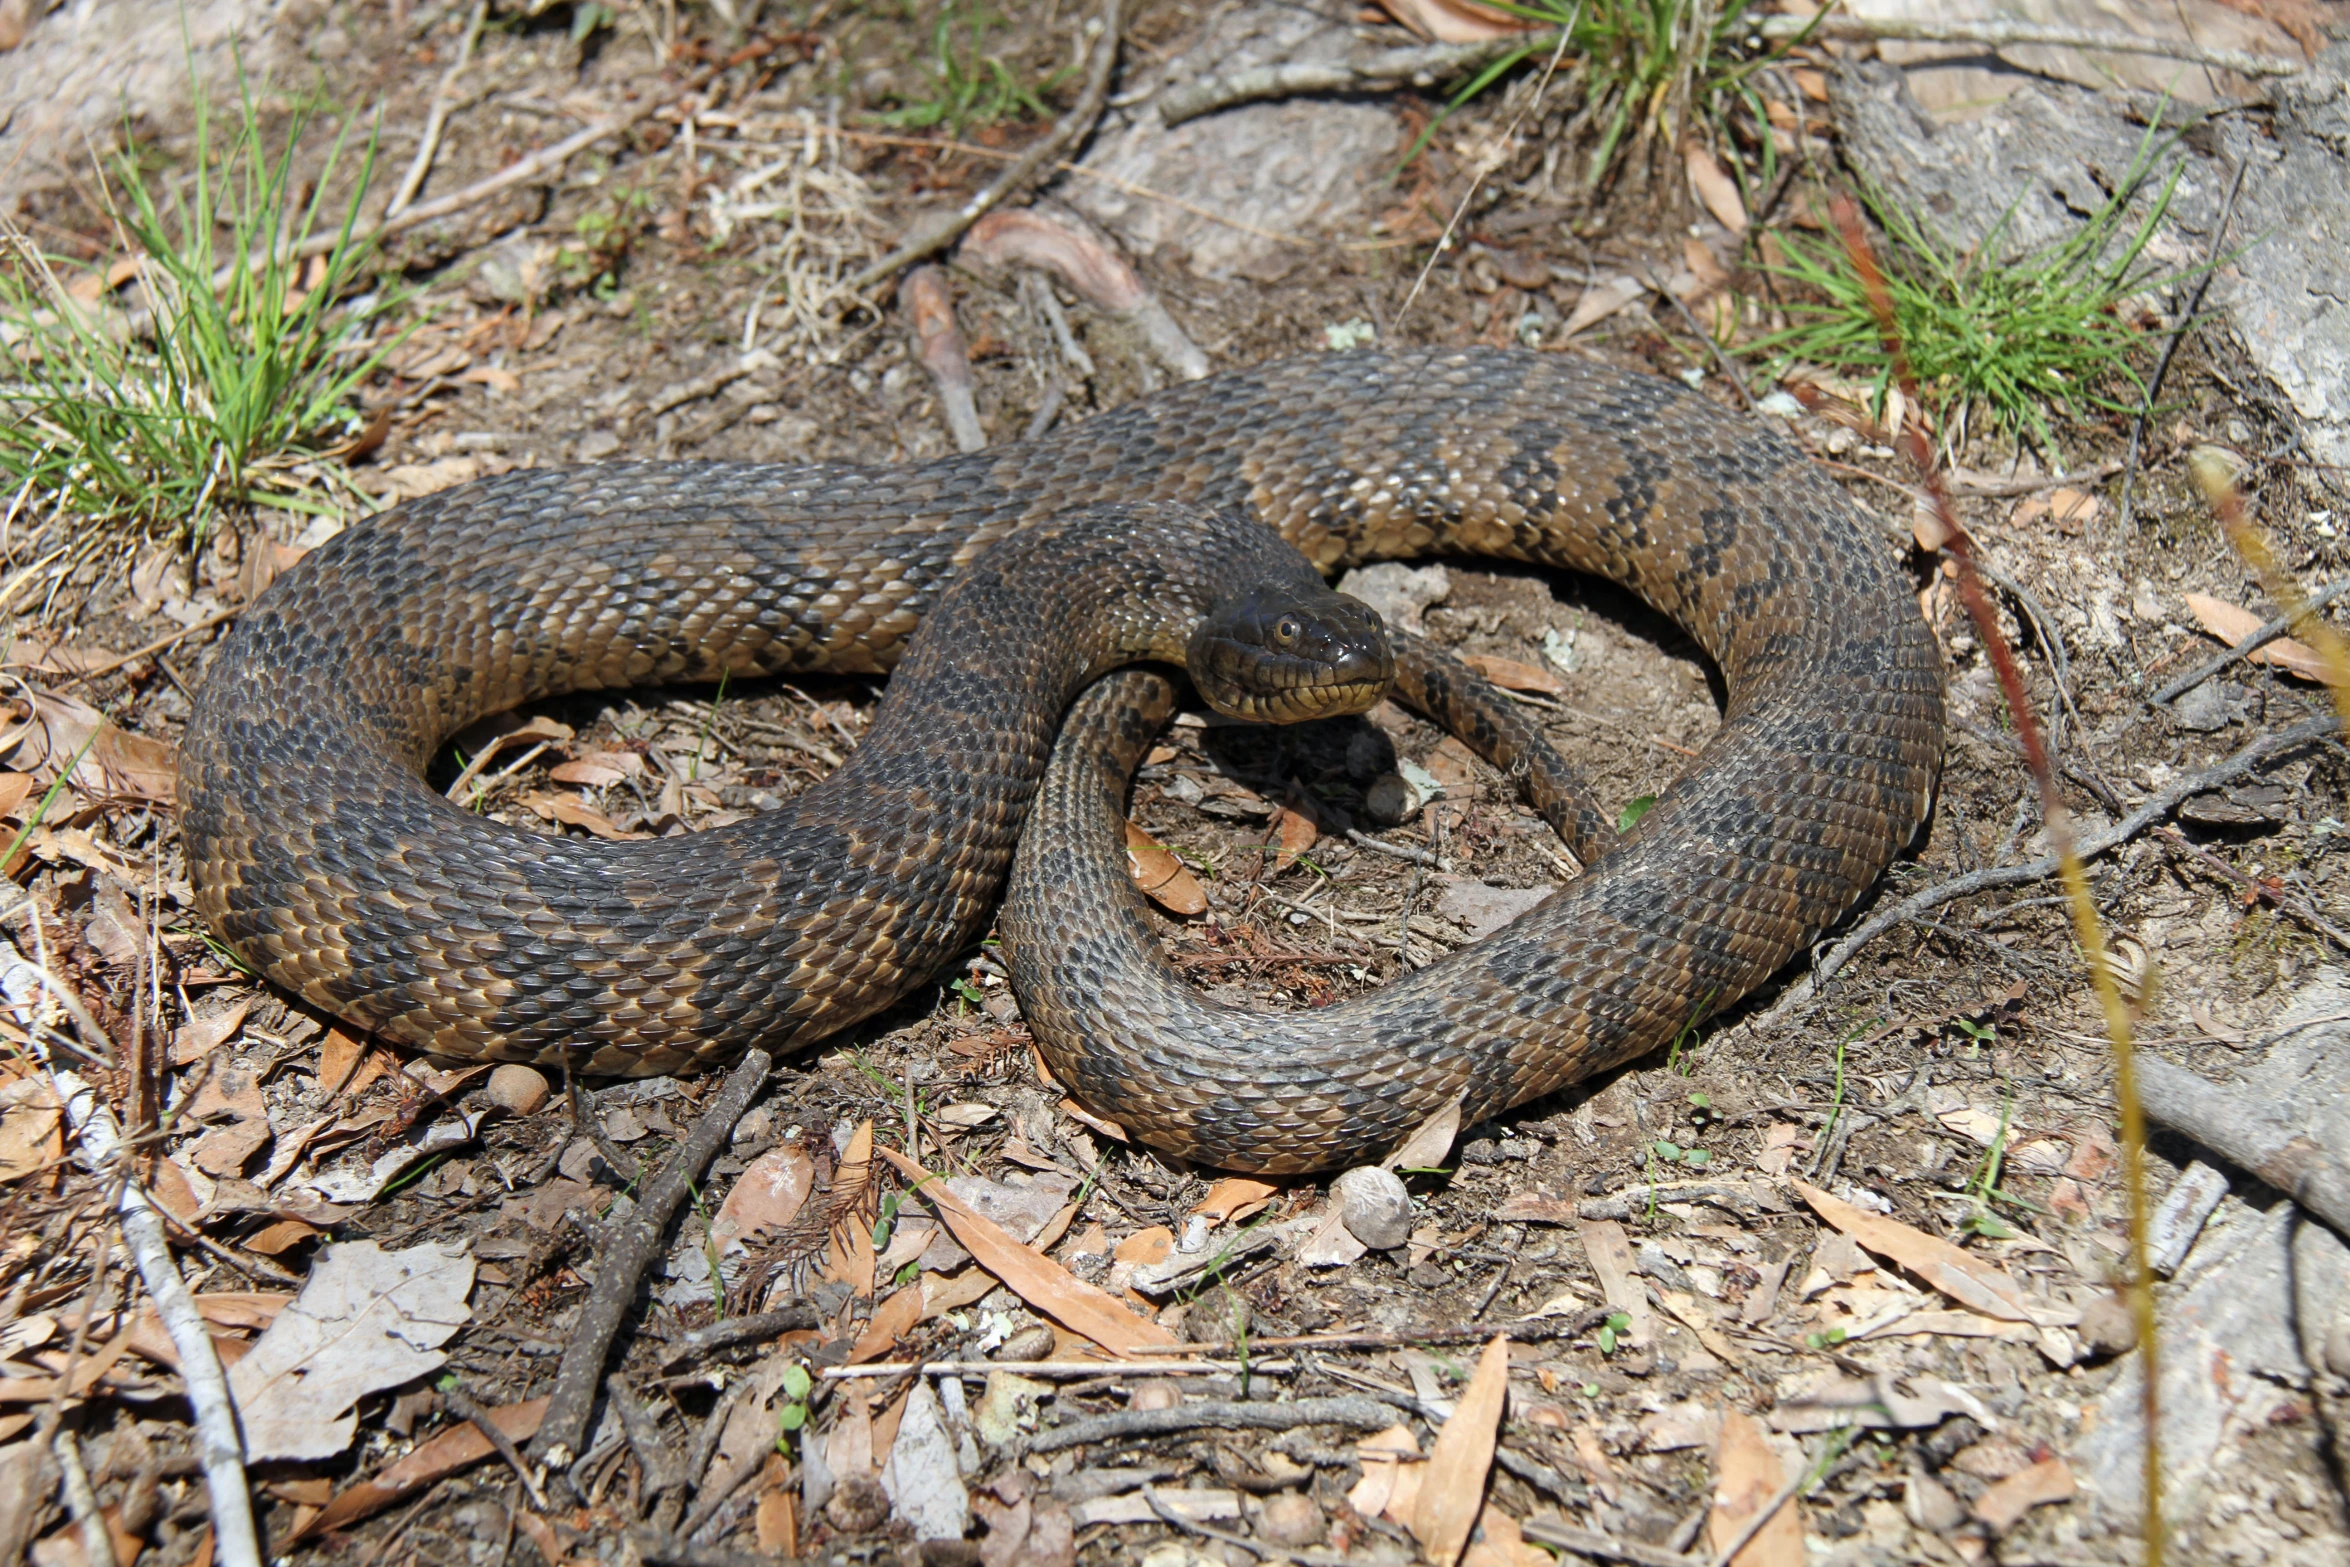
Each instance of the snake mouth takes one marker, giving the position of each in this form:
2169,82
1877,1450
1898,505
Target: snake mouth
1285,655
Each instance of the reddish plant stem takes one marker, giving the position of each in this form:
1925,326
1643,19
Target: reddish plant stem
2088,930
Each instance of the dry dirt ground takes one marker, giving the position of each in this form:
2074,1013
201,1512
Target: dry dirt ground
596,314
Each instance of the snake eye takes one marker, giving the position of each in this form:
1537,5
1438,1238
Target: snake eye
1286,630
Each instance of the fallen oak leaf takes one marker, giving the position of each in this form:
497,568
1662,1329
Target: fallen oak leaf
1044,1284
366,1319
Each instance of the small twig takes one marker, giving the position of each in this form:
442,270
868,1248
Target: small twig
2225,1120
638,1423
1714,350
443,100
1590,1542
1965,481
2269,631
2176,840
1066,133
81,1501
1367,1414
462,1405
1168,1515
628,1248
2155,808
585,1119
1400,851
159,645
234,1540
740,1330
1112,1369
2187,319
1424,66
1755,1525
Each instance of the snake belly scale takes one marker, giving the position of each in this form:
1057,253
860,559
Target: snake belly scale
355,886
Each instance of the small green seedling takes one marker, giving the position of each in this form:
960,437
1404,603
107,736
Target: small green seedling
1629,817
797,1385
1617,1323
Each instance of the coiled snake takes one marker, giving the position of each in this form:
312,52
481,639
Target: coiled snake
318,853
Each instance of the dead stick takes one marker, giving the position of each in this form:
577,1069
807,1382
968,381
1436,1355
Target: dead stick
462,1405
930,306
2153,809
1363,1413
2229,1123
2012,35
740,1330
1590,1542
628,1250
437,118
1066,133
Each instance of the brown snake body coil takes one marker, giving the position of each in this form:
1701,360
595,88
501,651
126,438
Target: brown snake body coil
346,881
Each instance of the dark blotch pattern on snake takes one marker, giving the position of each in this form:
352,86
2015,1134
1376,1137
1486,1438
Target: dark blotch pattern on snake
539,581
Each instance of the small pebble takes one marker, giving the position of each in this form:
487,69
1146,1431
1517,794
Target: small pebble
1374,1206
1390,801
2107,1326
1157,1394
1930,1504
518,1090
858,1505
2338,1349
1290,1518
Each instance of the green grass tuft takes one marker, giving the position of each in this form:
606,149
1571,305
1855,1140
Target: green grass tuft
974,87
2010,336
229,382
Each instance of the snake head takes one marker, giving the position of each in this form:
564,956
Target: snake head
1282,655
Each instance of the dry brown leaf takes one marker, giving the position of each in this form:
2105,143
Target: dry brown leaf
114,764
892,1320
945,1292
848,1448
15,789
2004,1505
1452,1490
1299,824
1715,188
231,1093
543,1538
1750,1475
1426,1148
1511,675
1102,1124
572,811
777,1522
1043,1283
1972,1282
1161,875
338,1058
1384,1457
1146,1248
1601,300
1454,21
767,1196
192,1042
1500,1544
282,1236
453,1449
2232,625
32,1120
1234,1198
599,769
1610,1254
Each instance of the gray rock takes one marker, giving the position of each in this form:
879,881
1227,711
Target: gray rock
1266,169
1483,909
1397,591
2206,709
2051,151
1374,1206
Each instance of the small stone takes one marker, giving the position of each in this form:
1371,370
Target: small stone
756,1126
1034,1342
1930,1504
858,1505
596,445
1391,801
518,1090
1155,1395
1397,591
2107,1327
1374,1206
1290,1518
2338,1348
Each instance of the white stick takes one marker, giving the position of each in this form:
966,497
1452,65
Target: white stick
234,1542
